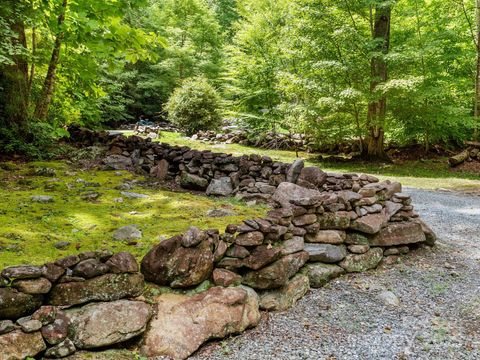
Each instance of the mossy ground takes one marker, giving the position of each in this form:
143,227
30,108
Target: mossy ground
29,230
421,173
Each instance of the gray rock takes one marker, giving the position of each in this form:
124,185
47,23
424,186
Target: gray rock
102,324
193,237
42,199
90,268
285,297
220,213
15,304
122,262
127,233
6,326
61,245
287,193
294,170
362,262
22,272
65,348
118,162
220,187
333,237
29,325
319,274
293,245
133,195
389,298
325,253
192,181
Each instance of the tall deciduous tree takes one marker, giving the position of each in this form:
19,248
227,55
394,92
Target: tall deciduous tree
377,108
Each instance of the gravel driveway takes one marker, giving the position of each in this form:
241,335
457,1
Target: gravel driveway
438,316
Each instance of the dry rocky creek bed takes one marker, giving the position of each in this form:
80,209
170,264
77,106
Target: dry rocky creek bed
425,306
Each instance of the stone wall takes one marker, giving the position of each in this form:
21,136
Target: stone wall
322,226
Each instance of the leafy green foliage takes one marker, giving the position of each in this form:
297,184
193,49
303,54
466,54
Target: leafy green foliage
194,106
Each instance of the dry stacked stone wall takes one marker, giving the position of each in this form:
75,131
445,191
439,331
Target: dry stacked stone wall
320,227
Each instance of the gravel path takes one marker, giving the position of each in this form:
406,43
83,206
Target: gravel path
438,316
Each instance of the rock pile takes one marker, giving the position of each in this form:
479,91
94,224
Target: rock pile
267,140
35,297
322,226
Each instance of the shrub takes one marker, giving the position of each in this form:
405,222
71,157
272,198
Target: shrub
194,106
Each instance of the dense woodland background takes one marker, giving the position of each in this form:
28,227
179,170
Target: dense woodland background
399,72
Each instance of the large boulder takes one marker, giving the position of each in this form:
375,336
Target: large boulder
326,253
192,181
182,324
285,297
277,274
171,264
15,304
220,187
103,324
362,262
399,233
319,274
17,345
108,287
287,193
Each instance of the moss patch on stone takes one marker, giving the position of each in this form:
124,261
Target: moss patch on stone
29,230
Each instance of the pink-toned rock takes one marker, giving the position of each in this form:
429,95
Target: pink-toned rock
400,233
182,324
17,345
225,278
333,237
370,224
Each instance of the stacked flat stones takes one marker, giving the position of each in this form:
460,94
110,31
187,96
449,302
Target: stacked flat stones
33,299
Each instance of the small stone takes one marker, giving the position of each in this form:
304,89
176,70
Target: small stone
333,237
63,349
358,249
225,278
193,237
61,245
133,195
28,325
220,213
285,297
362,262
55,332
237,251
46,314
90,268
6,326
220,187
389,299
127,233
122,262
42,199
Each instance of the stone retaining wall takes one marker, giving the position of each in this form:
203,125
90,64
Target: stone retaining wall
322,226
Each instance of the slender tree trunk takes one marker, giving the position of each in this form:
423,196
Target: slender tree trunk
477,77
377,108
14,83
41,110
32,65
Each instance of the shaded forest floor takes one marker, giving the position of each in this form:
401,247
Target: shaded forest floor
86,210
431,173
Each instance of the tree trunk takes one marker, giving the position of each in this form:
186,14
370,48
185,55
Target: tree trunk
32,65
477,77
377,108
41,110
14,83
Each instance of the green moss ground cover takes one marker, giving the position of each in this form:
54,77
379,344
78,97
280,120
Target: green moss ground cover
29,230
